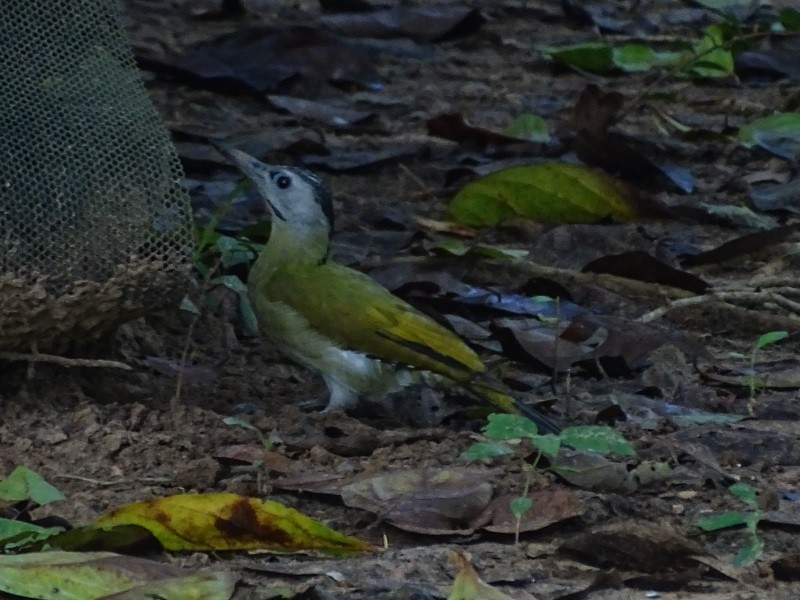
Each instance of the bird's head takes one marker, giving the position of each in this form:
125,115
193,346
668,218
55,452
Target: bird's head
296,198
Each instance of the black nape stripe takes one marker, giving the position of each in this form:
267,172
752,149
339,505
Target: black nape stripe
322,193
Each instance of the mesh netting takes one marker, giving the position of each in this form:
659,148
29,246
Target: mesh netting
94,225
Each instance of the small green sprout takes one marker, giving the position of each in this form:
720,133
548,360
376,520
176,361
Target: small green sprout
754,546
504,432
765,339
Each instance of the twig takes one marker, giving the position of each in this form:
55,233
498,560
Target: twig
622,286
187,346
414,178
100,482
674,304
668,299
681,65
64,361
742,295
785,302
176,396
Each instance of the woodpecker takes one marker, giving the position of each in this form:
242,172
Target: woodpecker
338,322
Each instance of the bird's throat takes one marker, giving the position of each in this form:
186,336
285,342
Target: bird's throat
288,243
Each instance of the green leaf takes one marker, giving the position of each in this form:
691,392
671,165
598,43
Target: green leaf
468,586
240,257
24,484
745,493
503,426
189,306
226,243
712,60
700,417
551,192
790,18
18,533
232,282
547,444
733,10
528,126
740,214
208,234
749,552
249,318
237,422
97,575
520,505
597,438
772,132
770,338
723,520
233,252
482,450
594,57
634,58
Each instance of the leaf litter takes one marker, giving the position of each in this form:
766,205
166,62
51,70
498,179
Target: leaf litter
701,414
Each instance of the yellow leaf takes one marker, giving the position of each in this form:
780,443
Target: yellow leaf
95,575
551,192
468,585
224,521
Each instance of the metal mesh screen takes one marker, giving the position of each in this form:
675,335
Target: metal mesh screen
94,225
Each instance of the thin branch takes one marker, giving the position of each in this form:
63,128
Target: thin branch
682,65
64,361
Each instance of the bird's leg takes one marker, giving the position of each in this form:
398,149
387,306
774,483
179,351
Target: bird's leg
341,397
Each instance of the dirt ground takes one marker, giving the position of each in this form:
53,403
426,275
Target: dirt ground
106,438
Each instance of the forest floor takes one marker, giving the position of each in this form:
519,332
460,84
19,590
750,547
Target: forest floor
670,386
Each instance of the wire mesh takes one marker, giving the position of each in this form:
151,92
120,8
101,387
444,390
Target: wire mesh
95,227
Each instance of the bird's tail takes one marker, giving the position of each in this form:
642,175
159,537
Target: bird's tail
508,403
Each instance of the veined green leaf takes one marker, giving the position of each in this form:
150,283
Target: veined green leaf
551,192
529,127
597,438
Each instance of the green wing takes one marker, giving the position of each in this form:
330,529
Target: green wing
359,314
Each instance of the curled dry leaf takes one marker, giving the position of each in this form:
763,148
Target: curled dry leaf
594,113
643,267
421,23
259,59
327,114
591,471
431,501
642,546
548,507
742,246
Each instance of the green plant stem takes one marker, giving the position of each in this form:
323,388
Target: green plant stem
684,64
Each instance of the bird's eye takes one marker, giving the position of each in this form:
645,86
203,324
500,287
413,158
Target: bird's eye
283,182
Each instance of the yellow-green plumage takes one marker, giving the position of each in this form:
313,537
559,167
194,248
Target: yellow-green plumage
362,339
356,312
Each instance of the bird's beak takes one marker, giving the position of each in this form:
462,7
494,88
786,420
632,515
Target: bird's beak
251,167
